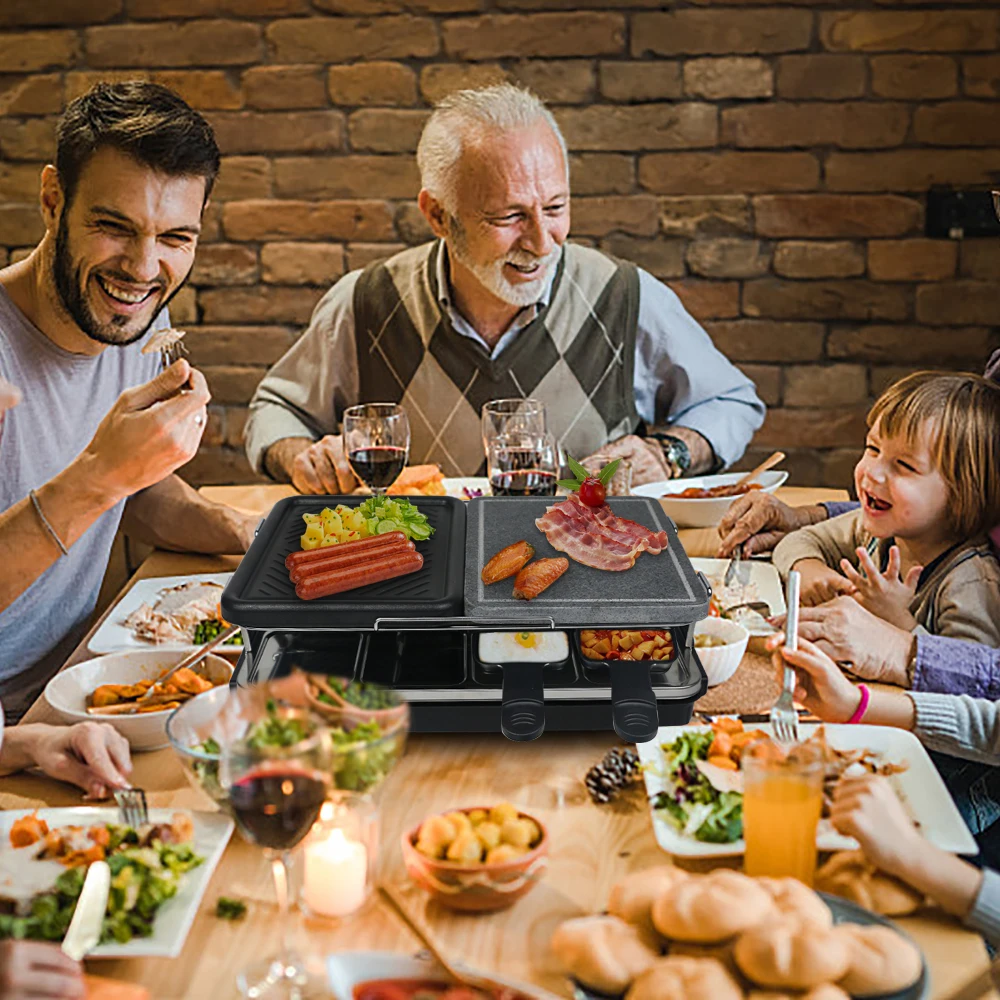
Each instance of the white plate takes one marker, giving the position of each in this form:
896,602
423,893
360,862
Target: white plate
691,513
453,487
919,787
113,636
175,917
764,585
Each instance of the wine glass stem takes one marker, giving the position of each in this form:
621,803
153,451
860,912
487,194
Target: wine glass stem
279,869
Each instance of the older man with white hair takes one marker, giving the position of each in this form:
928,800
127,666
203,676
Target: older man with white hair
499,305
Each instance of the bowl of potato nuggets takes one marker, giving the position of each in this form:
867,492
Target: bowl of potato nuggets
477,859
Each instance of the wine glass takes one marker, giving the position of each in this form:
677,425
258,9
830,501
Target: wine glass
508,417
377,441
520,465
276,784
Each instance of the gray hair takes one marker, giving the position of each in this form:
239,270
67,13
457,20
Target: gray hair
467,115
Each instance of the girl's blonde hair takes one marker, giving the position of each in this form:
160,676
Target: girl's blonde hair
964,413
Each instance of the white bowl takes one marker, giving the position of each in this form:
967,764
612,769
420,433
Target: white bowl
720,662
690,513
346,969
67,692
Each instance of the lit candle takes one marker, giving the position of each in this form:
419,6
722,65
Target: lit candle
335,875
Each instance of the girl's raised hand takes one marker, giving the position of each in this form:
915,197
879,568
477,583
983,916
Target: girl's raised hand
886,594
819,683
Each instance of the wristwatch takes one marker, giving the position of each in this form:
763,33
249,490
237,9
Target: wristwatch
676,453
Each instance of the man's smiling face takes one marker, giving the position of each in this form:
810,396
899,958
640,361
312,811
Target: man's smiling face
125,245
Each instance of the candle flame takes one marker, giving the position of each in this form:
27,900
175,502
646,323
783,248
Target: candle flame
326,812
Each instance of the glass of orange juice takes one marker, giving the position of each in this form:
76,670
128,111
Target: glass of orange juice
782,800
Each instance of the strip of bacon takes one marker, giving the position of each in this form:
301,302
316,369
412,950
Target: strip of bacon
596,536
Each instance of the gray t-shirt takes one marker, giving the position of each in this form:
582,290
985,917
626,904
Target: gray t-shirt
65,397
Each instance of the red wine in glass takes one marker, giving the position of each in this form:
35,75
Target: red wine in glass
277,807
378,467
523,483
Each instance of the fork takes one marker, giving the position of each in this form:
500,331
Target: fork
738,570
132,803
784,718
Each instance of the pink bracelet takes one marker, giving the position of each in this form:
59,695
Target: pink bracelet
859,712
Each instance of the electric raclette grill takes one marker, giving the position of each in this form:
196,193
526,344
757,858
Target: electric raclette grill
419,633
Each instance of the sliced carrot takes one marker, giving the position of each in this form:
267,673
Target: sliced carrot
726,763
27,830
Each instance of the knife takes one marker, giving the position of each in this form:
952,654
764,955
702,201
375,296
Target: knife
88,918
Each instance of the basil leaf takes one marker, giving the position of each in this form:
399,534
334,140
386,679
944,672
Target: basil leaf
578,470
568,484
608,471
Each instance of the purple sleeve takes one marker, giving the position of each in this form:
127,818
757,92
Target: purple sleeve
834,508
955,666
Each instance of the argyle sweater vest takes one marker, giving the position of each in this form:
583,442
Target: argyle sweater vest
577,355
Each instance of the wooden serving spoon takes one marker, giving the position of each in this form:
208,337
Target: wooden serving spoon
457,970
769,463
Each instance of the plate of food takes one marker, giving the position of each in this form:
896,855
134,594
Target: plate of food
696,797
176,613
468,487
702,501
160,872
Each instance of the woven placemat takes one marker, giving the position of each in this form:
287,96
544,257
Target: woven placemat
752,690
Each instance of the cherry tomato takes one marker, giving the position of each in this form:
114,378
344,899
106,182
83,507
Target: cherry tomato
613,655
592,492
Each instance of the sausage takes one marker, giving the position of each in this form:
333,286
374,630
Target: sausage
343,578
336,558
373,542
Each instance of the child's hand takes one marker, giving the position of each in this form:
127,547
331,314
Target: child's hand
884,594
867,809
819,583
819,683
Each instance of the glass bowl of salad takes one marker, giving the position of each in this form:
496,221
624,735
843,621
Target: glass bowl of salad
362,750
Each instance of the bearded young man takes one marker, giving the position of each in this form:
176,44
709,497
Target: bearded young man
500,305
99,433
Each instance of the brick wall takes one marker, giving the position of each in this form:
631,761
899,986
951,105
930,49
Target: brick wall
769,160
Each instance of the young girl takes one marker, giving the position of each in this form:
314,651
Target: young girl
916,552
866,808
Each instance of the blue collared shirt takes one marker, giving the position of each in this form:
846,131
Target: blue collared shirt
680,376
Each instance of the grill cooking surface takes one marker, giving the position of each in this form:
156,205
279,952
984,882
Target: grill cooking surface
662,589
260,595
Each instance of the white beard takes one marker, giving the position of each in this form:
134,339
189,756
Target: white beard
491,274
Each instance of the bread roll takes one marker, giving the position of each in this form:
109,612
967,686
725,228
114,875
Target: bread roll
682,978
880,961
825,992
705,909
602,952
797,901
788,954
850,875
632,898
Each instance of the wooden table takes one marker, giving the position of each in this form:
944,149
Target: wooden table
593,846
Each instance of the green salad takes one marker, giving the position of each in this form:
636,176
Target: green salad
385,514
690,802
142,880
372,697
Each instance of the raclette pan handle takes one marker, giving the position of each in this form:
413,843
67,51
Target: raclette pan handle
522,706
633,703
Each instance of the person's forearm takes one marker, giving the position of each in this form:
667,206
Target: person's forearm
173,515
951,882
278,459
71,501
953,666
889,708
17,749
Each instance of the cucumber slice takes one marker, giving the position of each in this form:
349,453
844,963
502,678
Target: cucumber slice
420,530
384,527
